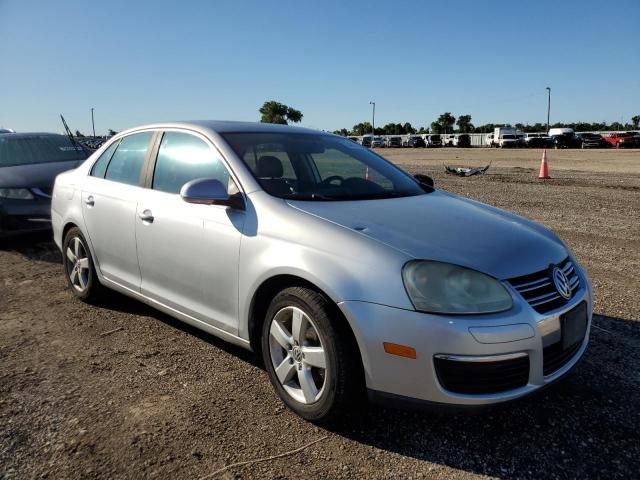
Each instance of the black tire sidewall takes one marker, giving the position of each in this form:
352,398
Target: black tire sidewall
320,316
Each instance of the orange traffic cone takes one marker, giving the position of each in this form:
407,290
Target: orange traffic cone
544,167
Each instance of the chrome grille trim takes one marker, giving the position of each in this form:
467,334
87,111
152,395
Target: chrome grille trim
539,290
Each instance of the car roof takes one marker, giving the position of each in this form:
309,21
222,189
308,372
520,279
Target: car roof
219,126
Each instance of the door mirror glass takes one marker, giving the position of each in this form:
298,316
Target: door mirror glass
210,191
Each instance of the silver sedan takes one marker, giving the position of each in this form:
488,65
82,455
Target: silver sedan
350,277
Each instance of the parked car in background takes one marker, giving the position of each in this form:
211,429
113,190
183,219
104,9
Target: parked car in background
323,268
622,140
414,141
564,138
366,141
462,140
29,163
590,140
354,139
378,142
489,140
537,140
504,137
520,138
393,142
433,140
447,139
6,130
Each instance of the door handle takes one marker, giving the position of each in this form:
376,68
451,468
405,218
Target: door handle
89,201
146,216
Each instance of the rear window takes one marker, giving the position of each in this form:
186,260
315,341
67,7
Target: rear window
28,150
126,163
509,137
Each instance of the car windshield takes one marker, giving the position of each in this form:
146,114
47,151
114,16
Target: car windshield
29,149
319,167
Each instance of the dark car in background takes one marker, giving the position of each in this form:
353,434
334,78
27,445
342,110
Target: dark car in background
29,164
434,141
590,140
414,142
393,142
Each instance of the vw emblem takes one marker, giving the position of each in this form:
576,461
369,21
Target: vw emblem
561,283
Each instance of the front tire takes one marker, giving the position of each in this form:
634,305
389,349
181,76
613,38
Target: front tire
79,268
310,355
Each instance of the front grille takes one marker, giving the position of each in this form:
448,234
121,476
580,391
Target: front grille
540,292
477,378
554,357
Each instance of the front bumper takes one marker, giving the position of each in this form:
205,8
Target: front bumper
24,216
389,376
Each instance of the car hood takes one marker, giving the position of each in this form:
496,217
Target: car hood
444,227
38,175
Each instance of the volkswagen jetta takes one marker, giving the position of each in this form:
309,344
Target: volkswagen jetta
347,274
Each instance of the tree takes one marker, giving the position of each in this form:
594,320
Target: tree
78,134
276,112
112,132
343,132
464,124
636,121
363,128
408,128
444,123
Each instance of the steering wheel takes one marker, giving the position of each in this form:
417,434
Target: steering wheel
327,181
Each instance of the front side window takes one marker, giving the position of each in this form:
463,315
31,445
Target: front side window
126,163
322,167
183,157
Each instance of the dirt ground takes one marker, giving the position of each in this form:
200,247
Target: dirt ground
156,398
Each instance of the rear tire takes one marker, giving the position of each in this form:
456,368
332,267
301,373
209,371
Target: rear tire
310,355
79,268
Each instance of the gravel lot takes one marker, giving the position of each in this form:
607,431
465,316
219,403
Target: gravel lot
157,398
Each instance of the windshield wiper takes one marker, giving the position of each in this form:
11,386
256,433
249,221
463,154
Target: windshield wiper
308,196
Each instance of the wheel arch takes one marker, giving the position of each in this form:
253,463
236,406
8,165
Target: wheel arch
269,288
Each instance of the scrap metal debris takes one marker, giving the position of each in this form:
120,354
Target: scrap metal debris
466,171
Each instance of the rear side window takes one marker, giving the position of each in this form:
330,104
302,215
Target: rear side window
183,157
100,167
126,163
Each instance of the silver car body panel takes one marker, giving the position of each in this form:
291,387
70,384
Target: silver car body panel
203,264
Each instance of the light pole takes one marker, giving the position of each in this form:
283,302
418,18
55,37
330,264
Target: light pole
93,125
373,121
548,107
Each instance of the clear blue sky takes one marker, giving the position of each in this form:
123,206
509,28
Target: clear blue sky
144,61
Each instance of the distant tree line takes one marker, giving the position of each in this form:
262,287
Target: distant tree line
447,123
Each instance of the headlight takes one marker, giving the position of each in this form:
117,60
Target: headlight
437,287
16,193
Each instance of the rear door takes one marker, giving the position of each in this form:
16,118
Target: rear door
109,199
189,253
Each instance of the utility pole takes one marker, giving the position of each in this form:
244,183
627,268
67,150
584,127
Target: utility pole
548,107
373,121
93,125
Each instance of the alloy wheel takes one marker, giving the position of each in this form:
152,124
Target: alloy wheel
297,355
77,260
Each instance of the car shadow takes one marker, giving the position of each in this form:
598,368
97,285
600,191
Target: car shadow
116,301
582,426
585,425
37,246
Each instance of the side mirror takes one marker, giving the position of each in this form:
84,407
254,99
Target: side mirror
209,191
424,180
